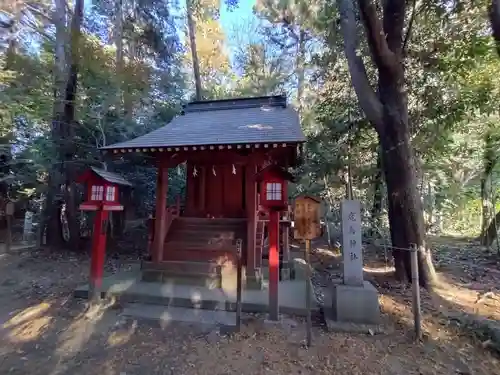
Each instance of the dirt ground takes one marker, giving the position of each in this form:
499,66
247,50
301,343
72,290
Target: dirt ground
43,330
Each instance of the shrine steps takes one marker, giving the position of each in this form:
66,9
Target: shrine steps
204,240
207,274
181,272
199,251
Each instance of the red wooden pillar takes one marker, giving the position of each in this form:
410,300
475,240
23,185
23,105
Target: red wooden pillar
98,254
274,217
202,191
251,208
191,192
161,213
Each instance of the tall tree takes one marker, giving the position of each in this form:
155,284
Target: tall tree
194,51
63,212
387,110
289,28
206,46
495,21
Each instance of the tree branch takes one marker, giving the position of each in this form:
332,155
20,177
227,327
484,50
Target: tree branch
382,56
494,13
38,12
367,98
394,22
410,25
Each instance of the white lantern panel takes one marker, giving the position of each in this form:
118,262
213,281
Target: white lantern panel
97,193
273,191
110,193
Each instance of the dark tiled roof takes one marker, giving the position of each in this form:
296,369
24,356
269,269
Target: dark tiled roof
111,177
219,122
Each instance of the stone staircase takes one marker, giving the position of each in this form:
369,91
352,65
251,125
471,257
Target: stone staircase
199,251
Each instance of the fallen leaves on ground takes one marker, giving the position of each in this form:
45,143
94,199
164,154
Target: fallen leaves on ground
57,335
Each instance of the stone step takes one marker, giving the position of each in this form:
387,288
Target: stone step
209,274
209,223
195,244
182,267
211,281
168,315
199,254
204,235
189,229
211,220
207,229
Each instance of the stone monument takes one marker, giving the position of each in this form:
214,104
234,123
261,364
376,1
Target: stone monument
354,300
28,226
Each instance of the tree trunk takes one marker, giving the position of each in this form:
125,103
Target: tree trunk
388,112
69,121
485,209
51,230
488,211
495,22
65,210
376,211
404,204
118,37
301,56
194,53
490,233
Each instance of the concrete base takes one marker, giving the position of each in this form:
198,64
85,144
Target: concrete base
127,287
299,267
287,271
355,304
251,280
345,327
205,274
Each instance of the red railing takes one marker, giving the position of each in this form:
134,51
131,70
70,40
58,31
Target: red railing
172,213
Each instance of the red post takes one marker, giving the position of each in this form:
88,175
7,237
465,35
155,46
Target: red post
98,254
161,214
273,264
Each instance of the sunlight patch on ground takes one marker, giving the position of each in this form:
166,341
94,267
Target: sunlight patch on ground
122,337
327,252
467,299
404,314
379,269
29,324
27,314
78,333
30,330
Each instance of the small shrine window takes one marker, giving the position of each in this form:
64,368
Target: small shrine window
273,191
110,193
97,193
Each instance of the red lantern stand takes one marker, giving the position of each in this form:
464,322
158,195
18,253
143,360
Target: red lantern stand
273,198
102,197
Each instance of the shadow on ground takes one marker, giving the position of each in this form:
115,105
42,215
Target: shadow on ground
45,331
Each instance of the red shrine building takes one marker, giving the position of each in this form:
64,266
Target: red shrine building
224,145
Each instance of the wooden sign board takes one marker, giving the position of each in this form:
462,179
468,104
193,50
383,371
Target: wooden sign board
306,218
9,208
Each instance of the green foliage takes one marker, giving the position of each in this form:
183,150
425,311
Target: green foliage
452,72
149,84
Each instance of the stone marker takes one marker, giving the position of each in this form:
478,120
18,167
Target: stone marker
354,300
28,225
351,237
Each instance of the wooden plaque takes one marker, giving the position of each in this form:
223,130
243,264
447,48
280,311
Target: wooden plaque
9,208
306,218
